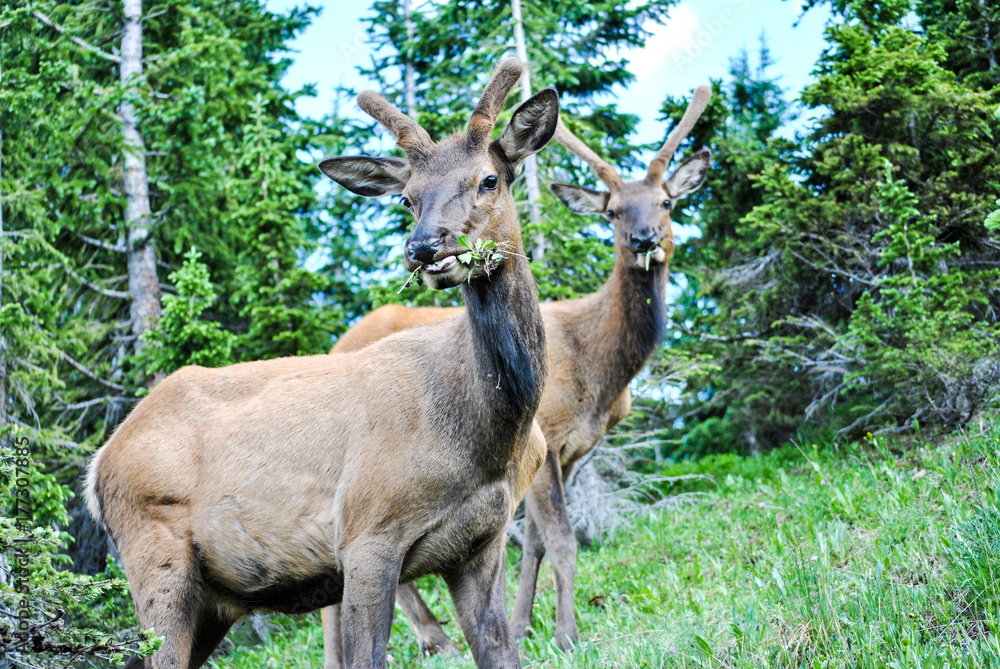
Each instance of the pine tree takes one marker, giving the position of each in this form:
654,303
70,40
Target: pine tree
275,294
813,251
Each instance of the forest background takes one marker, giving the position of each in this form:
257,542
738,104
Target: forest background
839,278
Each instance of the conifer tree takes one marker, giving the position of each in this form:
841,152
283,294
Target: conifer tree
779,314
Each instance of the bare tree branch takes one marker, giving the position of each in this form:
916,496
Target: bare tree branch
76,40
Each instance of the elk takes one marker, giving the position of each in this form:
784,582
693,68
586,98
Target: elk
296,483
596,345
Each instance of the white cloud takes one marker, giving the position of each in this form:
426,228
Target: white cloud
667,41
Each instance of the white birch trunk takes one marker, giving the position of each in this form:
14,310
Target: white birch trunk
530,164
990,53
143,284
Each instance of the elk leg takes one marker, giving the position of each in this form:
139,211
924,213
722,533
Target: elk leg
425,625
531,558
333,640
549,532
477,589
165,583
370,580
212,628
560,542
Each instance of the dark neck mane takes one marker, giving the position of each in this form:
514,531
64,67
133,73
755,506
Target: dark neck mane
507,333
627,323
502,362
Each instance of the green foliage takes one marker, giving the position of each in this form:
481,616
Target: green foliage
976,552
809,305
919,349
275,293
182,337
49,615
993,219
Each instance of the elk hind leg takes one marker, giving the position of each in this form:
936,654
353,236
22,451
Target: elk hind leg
425,624
167,590
545,507
477,589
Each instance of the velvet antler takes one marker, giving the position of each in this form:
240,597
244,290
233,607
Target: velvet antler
601,168
659,164
484,116
410,137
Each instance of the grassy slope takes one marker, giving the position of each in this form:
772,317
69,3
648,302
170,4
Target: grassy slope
868,558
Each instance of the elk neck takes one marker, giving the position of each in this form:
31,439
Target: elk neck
625,324
503,367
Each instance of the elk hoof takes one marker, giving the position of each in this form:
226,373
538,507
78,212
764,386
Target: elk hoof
520,630
566,640
438,645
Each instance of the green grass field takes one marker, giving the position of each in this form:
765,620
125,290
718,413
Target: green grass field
875,555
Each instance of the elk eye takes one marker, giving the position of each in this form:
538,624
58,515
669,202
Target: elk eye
666,204
406,203
490,182
611,213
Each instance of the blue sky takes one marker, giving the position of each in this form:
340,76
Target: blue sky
696,43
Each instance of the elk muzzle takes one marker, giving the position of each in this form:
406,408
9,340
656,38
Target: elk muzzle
642,238
428,250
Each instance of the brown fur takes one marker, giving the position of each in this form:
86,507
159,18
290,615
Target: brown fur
596,345
293,484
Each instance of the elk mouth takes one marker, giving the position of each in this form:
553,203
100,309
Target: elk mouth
655,254
440,266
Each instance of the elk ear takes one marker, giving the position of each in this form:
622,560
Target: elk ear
581,200
368,176
531,127
689,176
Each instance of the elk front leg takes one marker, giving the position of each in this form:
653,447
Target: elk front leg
547,530
425,625
371,574
531,557
477,589
430,635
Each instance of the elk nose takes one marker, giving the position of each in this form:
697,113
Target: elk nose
642,239
424,248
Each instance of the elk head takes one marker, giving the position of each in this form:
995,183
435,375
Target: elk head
458,186
640,210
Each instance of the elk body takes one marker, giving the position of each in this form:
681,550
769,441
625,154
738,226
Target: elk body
596,345
293,484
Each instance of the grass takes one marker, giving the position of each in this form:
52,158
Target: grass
877,555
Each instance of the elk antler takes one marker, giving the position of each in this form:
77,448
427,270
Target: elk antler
484,116
410,137
601,168
659,163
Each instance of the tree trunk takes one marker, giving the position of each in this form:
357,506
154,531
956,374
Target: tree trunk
3,340
143,284
530,164
990,53
409,83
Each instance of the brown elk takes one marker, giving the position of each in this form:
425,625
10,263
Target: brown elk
296,483
596,344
